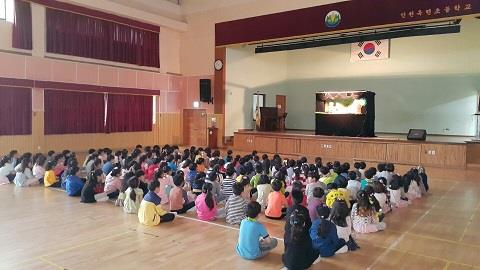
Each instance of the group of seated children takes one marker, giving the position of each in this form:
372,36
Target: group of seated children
323,205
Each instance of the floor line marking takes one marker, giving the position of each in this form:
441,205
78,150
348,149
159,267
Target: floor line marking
402,236
86,244
470,222
51,263
219,225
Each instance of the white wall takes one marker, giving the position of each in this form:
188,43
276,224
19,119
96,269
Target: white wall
198,42
428,82
247,73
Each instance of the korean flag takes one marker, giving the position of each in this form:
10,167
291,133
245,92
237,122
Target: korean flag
370,50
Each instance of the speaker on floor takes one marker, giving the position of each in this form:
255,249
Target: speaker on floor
417,134
206,90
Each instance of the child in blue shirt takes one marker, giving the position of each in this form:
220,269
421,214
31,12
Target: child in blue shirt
324,235
73,183
249,246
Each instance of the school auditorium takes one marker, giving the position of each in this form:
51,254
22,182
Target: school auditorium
237,134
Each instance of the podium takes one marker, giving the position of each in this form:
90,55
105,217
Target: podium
268,119
212,137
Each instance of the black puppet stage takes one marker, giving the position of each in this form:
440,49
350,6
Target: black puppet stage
345,113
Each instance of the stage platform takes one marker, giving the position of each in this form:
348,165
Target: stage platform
436,151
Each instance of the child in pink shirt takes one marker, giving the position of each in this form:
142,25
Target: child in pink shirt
205,204
166,184
179,200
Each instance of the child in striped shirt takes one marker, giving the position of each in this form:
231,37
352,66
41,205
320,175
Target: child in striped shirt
228,182
236,205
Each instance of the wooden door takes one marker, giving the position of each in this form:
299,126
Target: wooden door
281,104
195,127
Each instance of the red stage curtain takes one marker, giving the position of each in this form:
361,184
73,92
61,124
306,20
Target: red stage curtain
79,35
22,26
73,112
128,113
15,111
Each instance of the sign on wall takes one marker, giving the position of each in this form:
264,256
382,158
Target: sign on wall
370,50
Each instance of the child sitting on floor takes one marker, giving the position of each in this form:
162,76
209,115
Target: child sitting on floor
88,191
228,182
299,251
381,196
24,176
166,183
364,217
340,216
133,197
353,185
297,185
179,200
369,175
324,235
256,178
205,204
236,206
150,212
254,242
198,183
412,187
39,168
313,182
395,190
327,176
277,204
7,170
113,183
73,184
50,180
263,190
318,199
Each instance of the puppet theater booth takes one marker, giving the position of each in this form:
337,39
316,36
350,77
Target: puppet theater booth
345,113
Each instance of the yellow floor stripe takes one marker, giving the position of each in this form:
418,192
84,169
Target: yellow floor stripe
470,221
51,263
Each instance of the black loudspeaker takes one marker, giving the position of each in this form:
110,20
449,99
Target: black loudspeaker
417,134
206,90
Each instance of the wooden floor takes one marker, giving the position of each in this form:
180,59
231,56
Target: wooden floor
44,229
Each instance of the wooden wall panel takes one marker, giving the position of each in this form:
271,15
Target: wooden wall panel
455,156
403,153
343,150
243,142
167,130
370,151
433,155
288,146
311,147
473,153
265,144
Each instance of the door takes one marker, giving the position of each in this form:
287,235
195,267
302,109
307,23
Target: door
195,127
281,103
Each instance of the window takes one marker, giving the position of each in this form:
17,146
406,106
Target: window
7,10
84,36
3,9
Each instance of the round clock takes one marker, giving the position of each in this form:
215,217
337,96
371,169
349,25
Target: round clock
218,64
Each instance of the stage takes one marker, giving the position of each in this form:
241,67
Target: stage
436,151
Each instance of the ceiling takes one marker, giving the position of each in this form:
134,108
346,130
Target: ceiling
180,9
